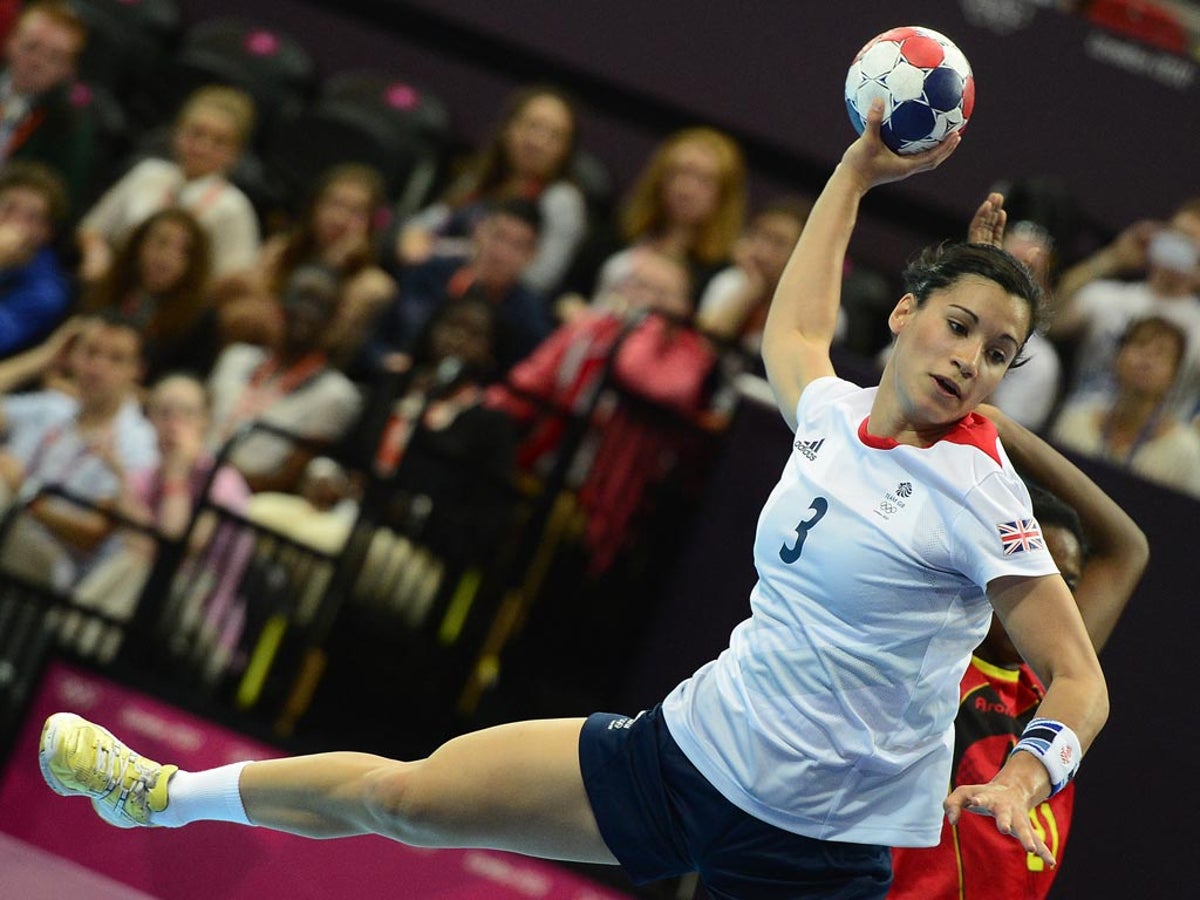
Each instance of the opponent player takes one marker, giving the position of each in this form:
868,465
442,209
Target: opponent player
822,735
1101,554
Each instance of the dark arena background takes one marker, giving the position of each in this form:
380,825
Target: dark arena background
1093,101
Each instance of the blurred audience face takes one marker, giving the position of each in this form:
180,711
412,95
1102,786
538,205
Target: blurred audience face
1149,358
177,408
655,281
107,363
41,53
539,136
342,213
206,141
504,245
466,332
309,303
692,185
164,256
1033,246
26,211
770,241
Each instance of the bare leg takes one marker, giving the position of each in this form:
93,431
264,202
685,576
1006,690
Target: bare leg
514,787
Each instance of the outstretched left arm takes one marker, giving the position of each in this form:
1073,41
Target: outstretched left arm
1040,616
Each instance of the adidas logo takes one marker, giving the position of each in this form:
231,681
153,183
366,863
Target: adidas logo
810,448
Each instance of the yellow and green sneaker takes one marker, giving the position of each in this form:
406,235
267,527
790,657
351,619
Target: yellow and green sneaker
79,758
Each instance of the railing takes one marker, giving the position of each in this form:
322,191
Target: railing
270,632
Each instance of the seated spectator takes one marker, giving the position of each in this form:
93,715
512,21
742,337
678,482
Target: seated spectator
1138,428
164,497
527,157
212,129
38,119
84,444
1030,390
292,387
1095,307
159,281
502,245
34,293
337,230
656,359
734,305
689,203
451,476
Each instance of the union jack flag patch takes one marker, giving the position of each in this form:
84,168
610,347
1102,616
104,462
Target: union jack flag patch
1020,536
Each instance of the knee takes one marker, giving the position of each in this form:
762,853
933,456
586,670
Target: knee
398,807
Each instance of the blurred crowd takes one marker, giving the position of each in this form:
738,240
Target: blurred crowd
154,306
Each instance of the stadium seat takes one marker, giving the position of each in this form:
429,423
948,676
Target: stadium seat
368,117
270,66
593,178
126,39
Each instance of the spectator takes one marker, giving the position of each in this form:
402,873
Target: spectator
159,280
451,475
1138,428
689,202
502,246
528,157
212,129
83,444
656,360
1096,308
337,230
164,498
293,388
1031,389
34,293
734,305
38,119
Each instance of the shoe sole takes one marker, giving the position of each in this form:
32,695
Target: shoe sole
46,751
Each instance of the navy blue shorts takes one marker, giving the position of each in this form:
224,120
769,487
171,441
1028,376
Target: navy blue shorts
661,818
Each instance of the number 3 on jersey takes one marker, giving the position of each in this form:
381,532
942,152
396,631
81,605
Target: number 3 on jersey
819,507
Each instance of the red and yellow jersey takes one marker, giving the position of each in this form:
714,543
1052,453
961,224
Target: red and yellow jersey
973,861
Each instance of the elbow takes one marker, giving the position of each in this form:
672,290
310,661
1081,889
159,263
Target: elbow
1138,551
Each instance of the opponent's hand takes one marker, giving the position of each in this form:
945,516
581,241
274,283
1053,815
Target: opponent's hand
987,225
874,164
1008,804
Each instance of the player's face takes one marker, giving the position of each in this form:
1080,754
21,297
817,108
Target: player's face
1064,548
952,351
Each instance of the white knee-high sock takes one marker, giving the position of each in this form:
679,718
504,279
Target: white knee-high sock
211,795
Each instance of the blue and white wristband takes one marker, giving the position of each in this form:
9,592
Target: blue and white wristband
1056,746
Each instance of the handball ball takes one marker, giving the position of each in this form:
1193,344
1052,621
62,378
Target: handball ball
925,83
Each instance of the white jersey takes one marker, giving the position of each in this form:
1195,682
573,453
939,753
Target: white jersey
831,713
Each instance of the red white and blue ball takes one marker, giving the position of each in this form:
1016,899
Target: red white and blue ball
925,83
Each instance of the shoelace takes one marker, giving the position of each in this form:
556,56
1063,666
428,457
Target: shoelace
119,760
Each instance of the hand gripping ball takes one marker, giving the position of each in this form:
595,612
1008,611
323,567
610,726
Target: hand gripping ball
925,83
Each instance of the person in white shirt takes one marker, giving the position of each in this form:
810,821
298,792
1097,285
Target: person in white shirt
213,127
825,729
1095,303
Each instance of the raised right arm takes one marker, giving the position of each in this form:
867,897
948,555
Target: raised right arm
803,315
